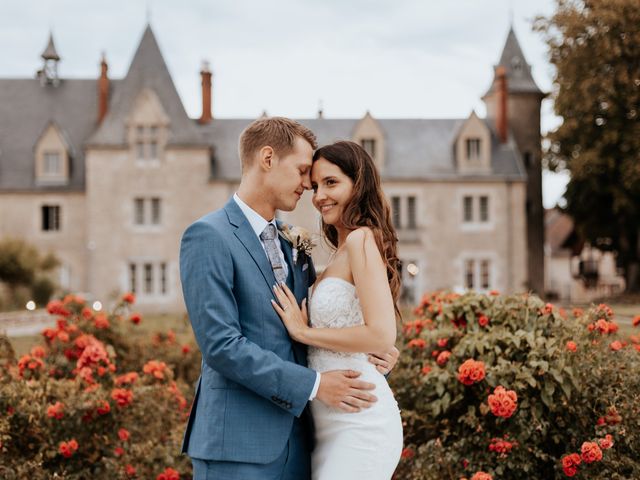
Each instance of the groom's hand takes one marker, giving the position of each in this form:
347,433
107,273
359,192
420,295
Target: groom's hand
341,389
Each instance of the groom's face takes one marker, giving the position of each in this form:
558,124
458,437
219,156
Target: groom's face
290,175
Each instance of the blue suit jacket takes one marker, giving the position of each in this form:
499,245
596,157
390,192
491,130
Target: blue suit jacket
254,378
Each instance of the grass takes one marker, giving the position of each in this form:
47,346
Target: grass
150,324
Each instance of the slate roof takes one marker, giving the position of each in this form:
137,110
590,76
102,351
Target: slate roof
415,148
26,109
519,80
147,70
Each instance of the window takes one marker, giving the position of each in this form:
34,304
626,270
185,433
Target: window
148,278
395,212
50,218
477,274
467,202
52,163
484,274
469,266
163,278
411,212
527,159
154,278
473,148
153,150
140,150
147,211
132,277
138,211
484,208
155,211
369,145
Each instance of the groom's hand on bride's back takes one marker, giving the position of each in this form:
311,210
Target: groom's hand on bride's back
341,389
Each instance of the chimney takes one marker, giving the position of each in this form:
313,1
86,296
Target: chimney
103,90
205,74
501,117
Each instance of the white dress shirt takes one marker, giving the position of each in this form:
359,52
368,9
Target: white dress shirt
258,224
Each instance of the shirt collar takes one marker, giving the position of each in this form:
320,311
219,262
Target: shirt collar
257,221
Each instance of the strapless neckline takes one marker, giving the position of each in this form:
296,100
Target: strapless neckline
341,280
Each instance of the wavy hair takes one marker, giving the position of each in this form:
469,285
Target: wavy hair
368,207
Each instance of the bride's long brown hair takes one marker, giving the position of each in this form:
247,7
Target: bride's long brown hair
367,207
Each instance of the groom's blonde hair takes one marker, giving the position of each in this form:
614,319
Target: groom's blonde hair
278,133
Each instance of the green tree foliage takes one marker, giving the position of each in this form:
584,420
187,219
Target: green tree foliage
594,46
21,265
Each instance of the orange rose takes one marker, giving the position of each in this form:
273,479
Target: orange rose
471,372
590,452
503,403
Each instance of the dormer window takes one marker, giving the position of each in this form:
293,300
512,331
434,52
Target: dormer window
52,157
147,143
473,149
369,145
52,164
516,64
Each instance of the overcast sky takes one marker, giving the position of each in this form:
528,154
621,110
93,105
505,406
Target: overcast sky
395,58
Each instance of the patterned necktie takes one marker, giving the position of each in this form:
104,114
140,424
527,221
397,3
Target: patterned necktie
268,236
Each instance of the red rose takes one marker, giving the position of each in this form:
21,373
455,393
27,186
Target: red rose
636,320
122,397
168,474
483,320
186,349
155,368
606,442
101,321
417,343
130,470
591,452
570,464
503,403
103,408
407,453
118,451
56,411
129,298
67,449
443,358
615,346
442,342
471,372
135,318
124,434
571,346
481,476
426,369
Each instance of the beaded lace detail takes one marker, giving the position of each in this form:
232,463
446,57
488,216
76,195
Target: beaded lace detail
333,304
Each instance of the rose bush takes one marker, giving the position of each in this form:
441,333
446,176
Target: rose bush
508,387
96,399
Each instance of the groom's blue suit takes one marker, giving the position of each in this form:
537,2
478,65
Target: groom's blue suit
254,379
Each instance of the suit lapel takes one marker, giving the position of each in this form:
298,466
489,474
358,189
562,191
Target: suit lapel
247,236
287,249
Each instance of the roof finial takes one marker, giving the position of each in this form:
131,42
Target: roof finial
49,73
511,13
148,11
320,109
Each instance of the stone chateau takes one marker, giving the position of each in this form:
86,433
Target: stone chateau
107,173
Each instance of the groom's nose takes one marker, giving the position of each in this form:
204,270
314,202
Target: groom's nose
306,181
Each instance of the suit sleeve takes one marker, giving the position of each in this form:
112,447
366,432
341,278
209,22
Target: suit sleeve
206,273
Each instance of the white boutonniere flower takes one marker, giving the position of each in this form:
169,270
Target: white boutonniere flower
299,238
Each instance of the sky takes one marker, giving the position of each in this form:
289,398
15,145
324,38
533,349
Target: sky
394,58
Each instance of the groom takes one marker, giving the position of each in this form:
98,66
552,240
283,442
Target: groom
249,418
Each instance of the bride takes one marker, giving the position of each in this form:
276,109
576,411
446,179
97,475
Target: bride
352,308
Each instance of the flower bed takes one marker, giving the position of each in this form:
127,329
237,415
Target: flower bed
95,401
507,387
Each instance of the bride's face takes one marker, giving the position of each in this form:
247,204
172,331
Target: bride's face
332,190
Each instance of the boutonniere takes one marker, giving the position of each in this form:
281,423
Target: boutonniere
299,238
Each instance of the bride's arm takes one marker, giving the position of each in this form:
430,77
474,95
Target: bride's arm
370,277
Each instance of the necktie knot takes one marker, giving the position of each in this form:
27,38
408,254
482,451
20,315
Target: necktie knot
269,233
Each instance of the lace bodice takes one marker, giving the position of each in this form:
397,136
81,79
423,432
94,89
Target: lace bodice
333,304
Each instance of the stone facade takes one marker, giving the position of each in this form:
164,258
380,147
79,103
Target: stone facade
131,181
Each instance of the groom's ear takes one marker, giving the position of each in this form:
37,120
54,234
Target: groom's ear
266,157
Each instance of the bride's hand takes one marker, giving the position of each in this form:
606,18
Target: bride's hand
295,318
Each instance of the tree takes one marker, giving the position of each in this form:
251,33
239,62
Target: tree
22,265
594,46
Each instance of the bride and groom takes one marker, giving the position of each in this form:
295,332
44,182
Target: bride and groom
286,390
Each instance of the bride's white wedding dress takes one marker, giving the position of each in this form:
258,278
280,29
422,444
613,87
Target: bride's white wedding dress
350,446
